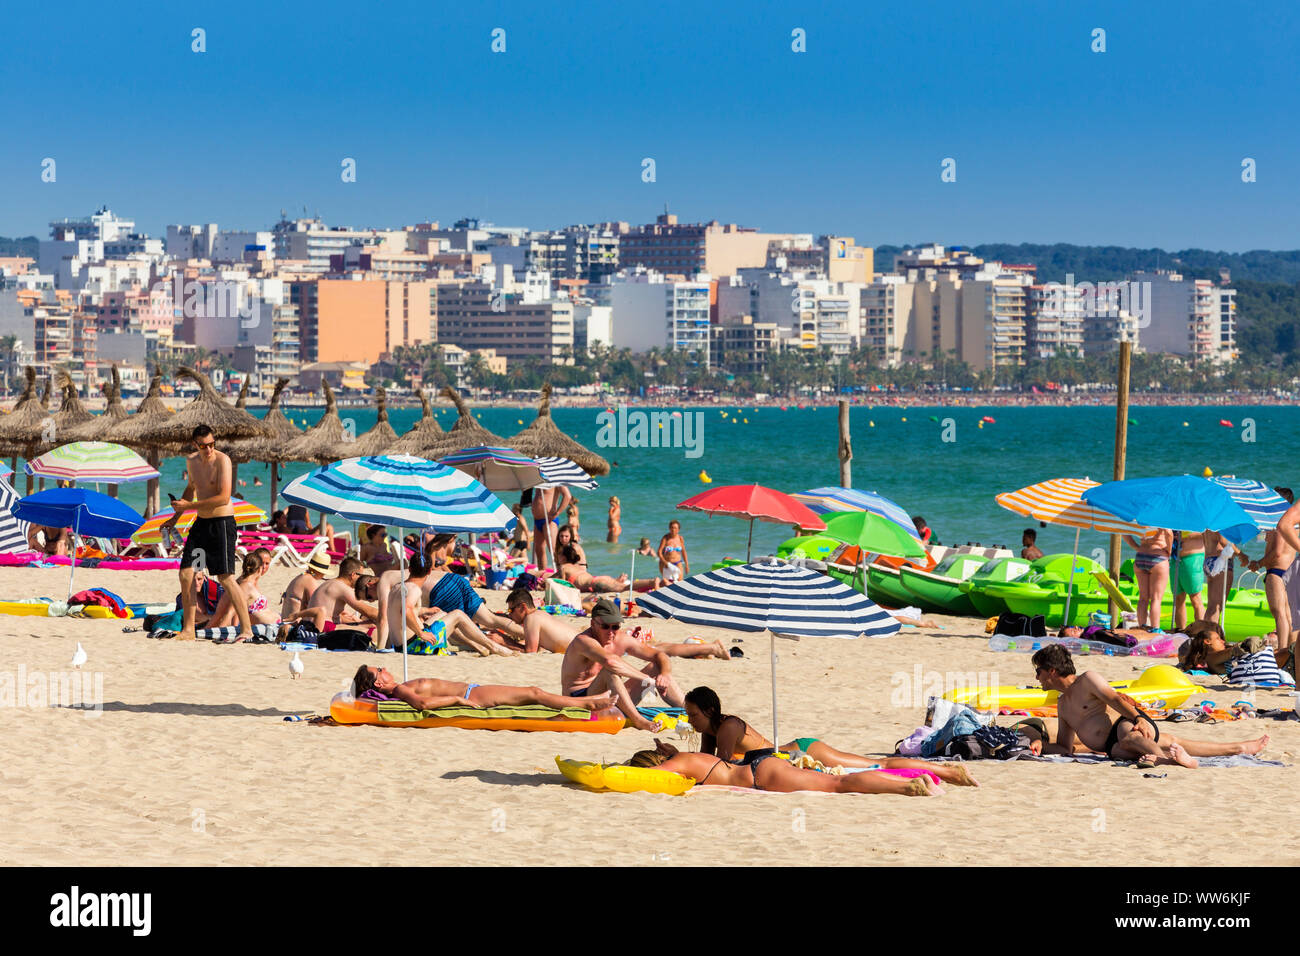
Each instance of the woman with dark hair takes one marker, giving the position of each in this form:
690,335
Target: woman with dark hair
733,739
1207,649
375,553
251,572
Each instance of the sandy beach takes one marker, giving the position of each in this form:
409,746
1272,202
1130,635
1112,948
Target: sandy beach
192,762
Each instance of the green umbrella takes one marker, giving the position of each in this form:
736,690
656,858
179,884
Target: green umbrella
873,534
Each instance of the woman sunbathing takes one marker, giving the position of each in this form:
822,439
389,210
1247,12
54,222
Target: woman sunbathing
427,693
573,568
732,738
251,572
1207,650
778,775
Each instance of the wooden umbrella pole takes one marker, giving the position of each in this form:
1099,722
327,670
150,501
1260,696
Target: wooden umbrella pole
1121,450
749,546
275,485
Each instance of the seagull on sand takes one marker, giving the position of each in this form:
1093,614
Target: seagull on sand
295,667
79,658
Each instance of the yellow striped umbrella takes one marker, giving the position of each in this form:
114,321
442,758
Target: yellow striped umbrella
1060,501
151,531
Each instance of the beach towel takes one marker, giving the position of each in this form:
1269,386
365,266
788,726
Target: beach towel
262,633
396,710
453,593
1233,760
101,597
1259,670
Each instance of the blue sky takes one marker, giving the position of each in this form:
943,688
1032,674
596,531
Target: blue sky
1138,146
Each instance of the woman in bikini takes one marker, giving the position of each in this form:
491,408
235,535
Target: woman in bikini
772,773
673,563
733,739
615,527
1207,650
1151,567
573,568
250,573
375,553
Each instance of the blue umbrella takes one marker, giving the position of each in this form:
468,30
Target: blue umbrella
1264,505
403,490
782,599
84,511
825,500
1180,502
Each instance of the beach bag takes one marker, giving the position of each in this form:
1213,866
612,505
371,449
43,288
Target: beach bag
528,580
562,592
303,632
164,622
341,639
1259,669
1021,625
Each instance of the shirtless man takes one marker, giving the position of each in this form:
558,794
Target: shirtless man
451,592
1187,577
301,588
541,631
325,608
212,537
416,617
1283,545
427,693
1084,708
1029,550
593,662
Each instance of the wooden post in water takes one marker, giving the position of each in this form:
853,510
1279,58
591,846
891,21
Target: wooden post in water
846,449
1121,450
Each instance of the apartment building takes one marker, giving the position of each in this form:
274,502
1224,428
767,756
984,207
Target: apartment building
742,346
688,249
313,243
650,310
1189,317
358,319
514,323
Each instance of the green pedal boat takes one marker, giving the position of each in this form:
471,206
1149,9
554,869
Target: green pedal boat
939,591
995,571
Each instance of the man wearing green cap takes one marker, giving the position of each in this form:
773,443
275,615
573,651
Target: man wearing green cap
593,664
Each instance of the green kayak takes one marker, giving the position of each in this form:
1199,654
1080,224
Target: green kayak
996,571
940,590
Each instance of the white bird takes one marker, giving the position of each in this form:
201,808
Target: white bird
79,658
295,667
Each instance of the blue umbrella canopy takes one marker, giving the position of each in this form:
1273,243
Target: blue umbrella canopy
402,490
1180,503
1264,505
84,511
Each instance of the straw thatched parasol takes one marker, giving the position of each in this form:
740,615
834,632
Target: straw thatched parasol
209,408
318,442
22,428
422,434
543,438
466,433
379,440
114,411
273,449
242,400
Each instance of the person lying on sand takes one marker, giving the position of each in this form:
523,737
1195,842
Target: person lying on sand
427,693
593,664
734,739
541,631
416,617
1085,708
1207,650
775,774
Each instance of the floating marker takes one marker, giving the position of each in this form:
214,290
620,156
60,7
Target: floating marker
934,418
1184,424
871,424
1225,423
1207,473
989,419
1132,421
704,477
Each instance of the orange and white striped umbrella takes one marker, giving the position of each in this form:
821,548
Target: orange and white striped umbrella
1060,501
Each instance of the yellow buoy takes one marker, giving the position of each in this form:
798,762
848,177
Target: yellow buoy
1207,473
519,421
904,418
871,424
979,424
746,421
1184,424
704,477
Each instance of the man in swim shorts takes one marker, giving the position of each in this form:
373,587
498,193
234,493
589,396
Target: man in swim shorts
593,664
211,540
1187,576
547,504
1111,723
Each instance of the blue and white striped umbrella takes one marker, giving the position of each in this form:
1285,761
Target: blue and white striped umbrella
826,500
564,471
779,598
1264,505
401,490
13,533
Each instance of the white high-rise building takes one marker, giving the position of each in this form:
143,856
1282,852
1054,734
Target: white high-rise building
650,311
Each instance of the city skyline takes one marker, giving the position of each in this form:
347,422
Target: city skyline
1141,145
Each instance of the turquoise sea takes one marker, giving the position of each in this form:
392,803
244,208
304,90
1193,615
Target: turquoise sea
899,453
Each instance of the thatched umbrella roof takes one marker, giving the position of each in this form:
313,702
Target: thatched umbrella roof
543,438
270,448
23,427
318,442
97,427
422,434
466,433
379,440
209,408
242,400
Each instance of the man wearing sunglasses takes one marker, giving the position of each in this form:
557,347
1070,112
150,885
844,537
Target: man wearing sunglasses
593,664
211,541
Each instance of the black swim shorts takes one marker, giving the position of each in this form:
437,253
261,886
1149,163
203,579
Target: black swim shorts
210,545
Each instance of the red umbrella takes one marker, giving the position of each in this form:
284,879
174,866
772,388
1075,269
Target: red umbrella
757,504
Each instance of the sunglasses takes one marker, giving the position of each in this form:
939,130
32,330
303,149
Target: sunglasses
205,444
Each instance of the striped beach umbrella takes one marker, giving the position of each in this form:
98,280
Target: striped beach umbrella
92,461
13,533
823,500
782,599
1264,505
1060,501
150,532
405,491
5,470
495,467
564,471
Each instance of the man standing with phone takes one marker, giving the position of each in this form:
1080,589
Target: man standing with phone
211,541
